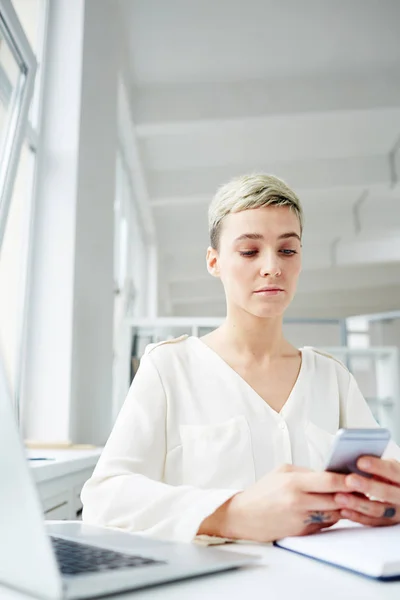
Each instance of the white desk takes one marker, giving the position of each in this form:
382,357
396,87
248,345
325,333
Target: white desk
59,463
280,575
60,477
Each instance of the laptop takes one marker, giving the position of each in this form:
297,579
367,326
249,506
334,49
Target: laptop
63,560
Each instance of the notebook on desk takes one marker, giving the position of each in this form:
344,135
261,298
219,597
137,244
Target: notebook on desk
370,551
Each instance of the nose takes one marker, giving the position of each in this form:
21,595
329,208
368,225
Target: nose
270,265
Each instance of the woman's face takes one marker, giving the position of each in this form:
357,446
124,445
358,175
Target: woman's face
259,259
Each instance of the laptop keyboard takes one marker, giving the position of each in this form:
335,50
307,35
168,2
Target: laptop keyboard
75,558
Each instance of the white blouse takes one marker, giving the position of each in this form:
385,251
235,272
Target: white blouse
192,433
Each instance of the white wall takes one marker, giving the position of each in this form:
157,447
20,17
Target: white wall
68,376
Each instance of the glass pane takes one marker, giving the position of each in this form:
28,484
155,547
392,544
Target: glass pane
2,116
358,340
9,73
29,13
14,93
13,257
9,64
357,324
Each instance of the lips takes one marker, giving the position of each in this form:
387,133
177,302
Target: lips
269,289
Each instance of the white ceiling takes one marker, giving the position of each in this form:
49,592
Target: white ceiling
309,91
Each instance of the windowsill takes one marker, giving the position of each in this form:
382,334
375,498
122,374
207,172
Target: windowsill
61,462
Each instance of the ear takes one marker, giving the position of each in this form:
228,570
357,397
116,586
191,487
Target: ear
212,262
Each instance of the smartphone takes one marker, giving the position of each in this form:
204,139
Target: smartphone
350,444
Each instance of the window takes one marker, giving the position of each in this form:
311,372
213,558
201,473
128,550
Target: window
17,162
358,337
30,15
359,324
121,214
17,72
9,73
130,277
358,332
13,257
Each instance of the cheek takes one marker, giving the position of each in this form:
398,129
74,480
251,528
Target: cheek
234,271
294,269
242,268
238,269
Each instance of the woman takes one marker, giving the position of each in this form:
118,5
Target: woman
226,436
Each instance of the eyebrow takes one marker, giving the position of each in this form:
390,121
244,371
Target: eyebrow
258,236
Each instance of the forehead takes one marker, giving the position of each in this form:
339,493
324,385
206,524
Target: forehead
270,221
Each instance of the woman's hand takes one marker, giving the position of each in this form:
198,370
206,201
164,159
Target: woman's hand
288,501
378,500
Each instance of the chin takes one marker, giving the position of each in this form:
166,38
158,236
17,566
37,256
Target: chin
265,312
268,309
265,309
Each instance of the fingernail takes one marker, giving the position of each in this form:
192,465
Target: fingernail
364,463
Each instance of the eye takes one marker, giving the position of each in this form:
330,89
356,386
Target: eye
248,252
288,252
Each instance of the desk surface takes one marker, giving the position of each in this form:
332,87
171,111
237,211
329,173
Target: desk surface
57,463
280,575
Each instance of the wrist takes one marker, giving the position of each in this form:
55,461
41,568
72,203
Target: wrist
224,521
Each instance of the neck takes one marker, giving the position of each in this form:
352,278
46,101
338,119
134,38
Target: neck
258,336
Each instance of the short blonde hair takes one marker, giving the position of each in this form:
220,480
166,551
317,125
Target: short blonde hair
246,192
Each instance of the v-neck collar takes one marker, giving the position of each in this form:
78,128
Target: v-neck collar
295,391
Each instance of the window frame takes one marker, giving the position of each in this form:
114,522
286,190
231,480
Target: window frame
10,150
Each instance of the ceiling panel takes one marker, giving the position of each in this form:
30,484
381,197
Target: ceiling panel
230,40
341,134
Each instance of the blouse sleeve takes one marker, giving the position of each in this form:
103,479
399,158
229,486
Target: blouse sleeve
126,489
358,414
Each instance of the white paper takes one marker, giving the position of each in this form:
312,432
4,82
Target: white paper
374,551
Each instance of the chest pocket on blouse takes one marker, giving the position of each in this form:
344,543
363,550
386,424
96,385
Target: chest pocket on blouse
218,455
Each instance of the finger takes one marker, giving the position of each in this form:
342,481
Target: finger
379,490
387,469
310,529
312,501
365,506
322,517
323,483
364,519
314,528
